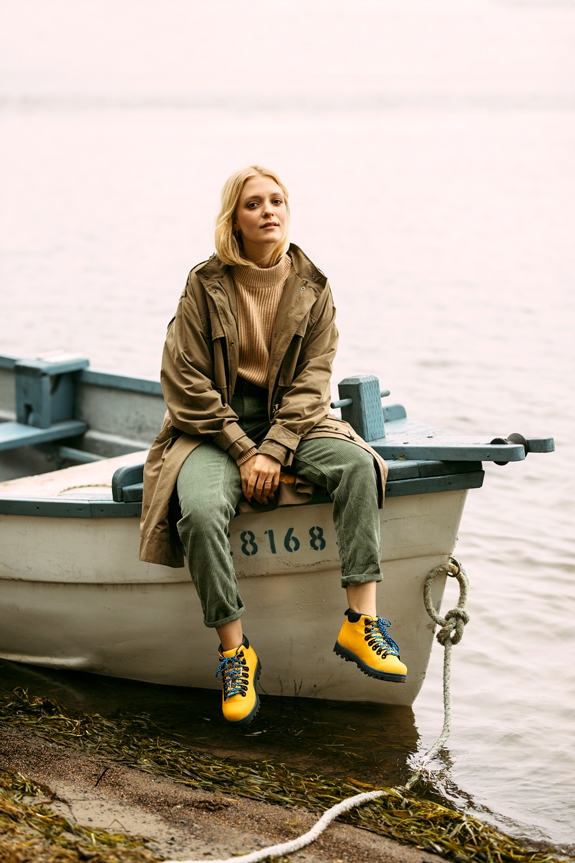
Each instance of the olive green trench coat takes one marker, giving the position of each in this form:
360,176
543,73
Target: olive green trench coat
199,371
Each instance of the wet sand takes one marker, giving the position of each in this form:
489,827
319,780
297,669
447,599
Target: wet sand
182,822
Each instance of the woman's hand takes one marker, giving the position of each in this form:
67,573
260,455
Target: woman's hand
260,477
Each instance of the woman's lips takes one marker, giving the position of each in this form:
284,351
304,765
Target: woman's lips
270,225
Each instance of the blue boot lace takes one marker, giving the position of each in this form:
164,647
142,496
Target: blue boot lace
235,674
378,638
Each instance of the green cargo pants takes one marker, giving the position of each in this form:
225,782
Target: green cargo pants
209,490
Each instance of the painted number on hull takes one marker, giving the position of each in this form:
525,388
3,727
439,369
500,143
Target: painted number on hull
249,546
271,538
317,541
291,542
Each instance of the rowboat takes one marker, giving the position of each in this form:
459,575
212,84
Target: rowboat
74,595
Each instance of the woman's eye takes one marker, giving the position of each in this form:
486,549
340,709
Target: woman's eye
252,205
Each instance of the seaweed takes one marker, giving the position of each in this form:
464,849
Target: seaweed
137,742
30,831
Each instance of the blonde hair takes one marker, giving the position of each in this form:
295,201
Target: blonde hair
228,243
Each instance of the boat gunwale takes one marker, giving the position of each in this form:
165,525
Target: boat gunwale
98,508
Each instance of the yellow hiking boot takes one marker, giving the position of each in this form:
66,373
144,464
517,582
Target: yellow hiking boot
239,669
365,640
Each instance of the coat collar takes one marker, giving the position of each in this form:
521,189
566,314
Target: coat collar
214,270
304,285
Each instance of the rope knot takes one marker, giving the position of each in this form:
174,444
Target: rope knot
453,624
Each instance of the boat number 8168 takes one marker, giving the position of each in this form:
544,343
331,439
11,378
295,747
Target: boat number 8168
291,542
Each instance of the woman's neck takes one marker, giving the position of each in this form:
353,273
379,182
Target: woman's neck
259,257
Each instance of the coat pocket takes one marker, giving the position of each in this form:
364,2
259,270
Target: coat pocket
220,366
291,356
216,329
219,355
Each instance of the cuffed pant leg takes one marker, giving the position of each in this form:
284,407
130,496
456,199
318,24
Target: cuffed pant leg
209,489
348,473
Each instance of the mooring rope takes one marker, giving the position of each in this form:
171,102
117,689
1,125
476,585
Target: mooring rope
451,632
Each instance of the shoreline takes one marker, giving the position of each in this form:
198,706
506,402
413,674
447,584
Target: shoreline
126,772
183,822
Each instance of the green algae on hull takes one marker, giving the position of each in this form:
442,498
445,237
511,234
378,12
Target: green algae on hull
137,742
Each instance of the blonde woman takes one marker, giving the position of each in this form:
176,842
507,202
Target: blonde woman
246,378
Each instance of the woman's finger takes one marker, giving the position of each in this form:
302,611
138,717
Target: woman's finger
251,484
274,482
265,486
246,475
262,487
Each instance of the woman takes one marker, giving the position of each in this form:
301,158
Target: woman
246,378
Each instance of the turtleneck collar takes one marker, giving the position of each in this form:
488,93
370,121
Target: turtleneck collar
262,277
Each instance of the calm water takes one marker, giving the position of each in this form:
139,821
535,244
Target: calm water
429,150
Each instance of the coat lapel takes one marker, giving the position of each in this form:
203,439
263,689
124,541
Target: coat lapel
303,286
220,290
305,283
298,297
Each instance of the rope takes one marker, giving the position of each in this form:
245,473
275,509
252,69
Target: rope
451,632
301,841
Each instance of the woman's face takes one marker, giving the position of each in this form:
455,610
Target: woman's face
261,216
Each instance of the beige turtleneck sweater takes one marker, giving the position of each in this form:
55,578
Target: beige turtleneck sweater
258,295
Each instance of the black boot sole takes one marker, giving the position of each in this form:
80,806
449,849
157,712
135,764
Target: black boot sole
371,672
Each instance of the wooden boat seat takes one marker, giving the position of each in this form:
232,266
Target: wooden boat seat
45,393
14,434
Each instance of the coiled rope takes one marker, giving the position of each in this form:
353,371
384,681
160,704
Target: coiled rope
450,633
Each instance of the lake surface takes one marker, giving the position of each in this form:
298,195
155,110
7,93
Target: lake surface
429,151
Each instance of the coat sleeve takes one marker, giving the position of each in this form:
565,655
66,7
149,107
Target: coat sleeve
306,401
194,404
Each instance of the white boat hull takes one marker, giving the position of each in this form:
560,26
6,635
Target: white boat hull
73,594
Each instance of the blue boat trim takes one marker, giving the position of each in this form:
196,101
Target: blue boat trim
476,452
128,477
393,412
432,484
59,508
121,382
410,469
127,482
132,507
99,379
14,434
81,456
